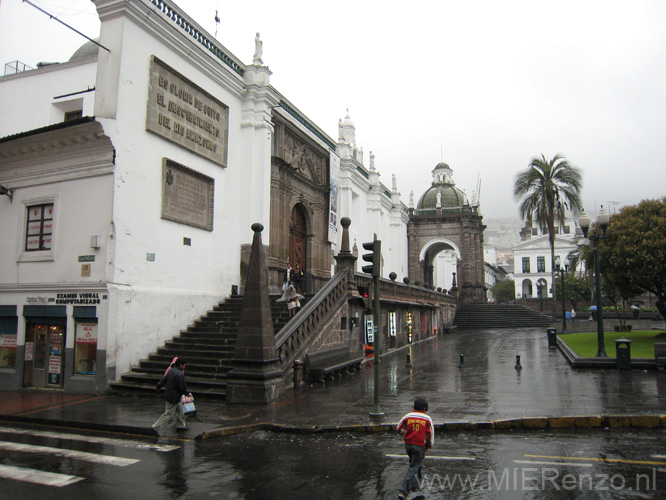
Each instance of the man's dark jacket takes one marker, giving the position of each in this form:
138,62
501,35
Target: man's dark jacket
174,385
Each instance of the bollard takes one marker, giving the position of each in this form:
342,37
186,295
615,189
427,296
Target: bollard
518,365
551,333
298,372
462,361
409,361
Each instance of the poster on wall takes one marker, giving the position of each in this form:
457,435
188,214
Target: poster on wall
86,333
54,364
333,199
29,348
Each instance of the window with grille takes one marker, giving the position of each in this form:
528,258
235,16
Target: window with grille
73,115
39,234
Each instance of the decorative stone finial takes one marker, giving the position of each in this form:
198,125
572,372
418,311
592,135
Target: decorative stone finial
345,222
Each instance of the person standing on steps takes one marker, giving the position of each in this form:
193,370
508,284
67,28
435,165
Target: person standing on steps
292,299
289,277
174,388
298,276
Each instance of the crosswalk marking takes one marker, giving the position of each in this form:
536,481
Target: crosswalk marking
568,464
600,459
436,457
79,455
37,476
92,439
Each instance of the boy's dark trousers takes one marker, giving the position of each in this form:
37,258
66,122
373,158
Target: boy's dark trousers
416,454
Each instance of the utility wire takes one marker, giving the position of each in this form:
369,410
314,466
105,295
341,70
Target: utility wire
65,24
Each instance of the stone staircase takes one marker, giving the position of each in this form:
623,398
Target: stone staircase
208,347
484,316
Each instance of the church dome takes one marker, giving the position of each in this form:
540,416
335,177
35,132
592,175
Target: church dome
347,122
442,193
88,49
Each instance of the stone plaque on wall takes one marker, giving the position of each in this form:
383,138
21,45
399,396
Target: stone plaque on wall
187,195
182,112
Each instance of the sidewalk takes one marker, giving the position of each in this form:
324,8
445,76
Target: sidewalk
488,391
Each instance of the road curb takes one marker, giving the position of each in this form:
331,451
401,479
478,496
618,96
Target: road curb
70,424
524,423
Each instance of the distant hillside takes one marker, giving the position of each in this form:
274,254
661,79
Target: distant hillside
503,234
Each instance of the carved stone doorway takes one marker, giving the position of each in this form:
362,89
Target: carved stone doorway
297,238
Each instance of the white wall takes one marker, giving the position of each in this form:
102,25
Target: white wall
364,200
27,100
153,299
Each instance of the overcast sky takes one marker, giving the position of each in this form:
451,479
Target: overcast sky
481,85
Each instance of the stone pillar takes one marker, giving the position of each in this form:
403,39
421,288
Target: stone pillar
346,260
256,376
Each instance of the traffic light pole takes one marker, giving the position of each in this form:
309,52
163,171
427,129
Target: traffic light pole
376,410
375,269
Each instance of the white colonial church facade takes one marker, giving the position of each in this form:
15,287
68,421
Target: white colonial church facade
134,172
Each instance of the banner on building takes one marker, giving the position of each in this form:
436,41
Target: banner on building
333,222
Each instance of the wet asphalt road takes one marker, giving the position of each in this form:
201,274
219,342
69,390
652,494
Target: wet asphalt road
564,464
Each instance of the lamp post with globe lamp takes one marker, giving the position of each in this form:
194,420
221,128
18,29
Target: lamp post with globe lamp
562,270
602,221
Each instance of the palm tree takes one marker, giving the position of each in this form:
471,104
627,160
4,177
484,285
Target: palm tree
547,189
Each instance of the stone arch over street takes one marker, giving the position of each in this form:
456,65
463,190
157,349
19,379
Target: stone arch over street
428,258
444,219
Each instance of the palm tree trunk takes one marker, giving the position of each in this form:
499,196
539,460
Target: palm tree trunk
552,276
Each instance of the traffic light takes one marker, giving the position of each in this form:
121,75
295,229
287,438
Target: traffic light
375,257
366,300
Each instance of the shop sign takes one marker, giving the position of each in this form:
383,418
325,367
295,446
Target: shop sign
369,331
87,298
86,333
38,300
54,364
393,329
7,340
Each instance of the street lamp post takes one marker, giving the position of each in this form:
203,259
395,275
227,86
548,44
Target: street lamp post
562,270
602,221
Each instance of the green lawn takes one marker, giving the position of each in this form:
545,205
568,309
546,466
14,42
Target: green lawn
642,342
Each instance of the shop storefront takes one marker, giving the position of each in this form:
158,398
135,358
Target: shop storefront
45,338
53,344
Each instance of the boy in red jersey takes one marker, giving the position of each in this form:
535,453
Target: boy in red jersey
419,435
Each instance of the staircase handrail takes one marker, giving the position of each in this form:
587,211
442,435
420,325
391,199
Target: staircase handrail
296,324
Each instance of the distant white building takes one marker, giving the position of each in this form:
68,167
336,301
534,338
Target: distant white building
532,267
493,275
